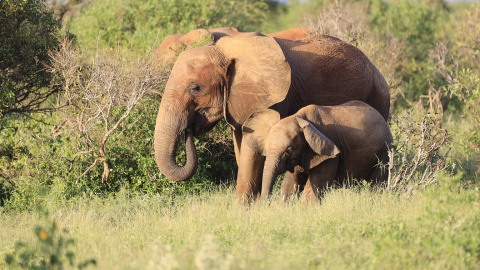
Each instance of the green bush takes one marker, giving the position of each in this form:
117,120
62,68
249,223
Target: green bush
53,250
27,32
417,24
142,24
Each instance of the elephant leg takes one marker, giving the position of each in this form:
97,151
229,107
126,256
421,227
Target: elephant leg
379,174
319,178
237,140
293,183
249,178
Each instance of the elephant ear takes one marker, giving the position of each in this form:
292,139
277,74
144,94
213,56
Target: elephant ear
322,147
256,128
258,76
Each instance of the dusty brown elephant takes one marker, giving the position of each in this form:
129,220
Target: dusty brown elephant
324,143
250,72
292,34
173,44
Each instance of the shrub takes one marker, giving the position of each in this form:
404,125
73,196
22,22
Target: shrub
140,24
456,66
27,32
54,249
419,156
101,93
417,24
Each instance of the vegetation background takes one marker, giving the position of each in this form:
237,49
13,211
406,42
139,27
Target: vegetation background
78,100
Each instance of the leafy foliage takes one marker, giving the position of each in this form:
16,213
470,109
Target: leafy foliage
55,249
141,24
27,32
416,23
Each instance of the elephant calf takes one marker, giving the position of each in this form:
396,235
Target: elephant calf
322,143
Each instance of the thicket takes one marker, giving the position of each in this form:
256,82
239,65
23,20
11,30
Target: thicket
99,138
143,24
27,33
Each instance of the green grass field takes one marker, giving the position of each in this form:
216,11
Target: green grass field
437,228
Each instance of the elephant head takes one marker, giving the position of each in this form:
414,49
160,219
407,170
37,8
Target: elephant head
231,79
285,143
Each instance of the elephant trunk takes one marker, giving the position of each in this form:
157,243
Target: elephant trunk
270,172
169,127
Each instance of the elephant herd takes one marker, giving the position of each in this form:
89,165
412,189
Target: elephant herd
314,108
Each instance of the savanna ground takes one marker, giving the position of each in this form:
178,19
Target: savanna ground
436,228
79,187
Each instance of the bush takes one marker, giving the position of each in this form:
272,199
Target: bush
141,24
419,157
27,32
54,249
417,24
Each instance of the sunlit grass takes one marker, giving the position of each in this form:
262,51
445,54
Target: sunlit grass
351,228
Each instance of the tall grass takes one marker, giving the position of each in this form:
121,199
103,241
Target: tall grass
352,228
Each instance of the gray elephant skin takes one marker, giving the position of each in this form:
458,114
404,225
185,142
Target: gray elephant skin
324,143
240,75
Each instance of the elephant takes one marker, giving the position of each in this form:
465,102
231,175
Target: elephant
292,34
173,44
325,143
240,75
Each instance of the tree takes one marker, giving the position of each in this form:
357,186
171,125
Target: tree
27,32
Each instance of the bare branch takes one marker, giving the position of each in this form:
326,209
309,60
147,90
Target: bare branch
418,162
102,90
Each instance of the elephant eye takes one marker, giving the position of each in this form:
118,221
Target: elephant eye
289,150
195,88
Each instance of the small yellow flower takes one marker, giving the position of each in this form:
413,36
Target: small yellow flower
43,235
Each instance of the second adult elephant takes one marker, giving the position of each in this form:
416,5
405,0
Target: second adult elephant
174,44
240,75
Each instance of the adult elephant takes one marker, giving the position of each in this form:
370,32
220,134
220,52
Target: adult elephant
250,72
173,44
292,34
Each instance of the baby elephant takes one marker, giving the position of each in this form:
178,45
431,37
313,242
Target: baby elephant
321,144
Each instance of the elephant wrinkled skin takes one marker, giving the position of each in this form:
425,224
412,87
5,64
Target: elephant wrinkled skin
323,143
240,75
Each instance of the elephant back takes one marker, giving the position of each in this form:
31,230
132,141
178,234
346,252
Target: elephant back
328,71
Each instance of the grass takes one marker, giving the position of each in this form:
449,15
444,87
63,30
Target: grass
437,228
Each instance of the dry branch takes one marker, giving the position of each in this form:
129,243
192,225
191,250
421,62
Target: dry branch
418,159
102,90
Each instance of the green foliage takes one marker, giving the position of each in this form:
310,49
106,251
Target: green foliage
417,24
458,62
27,32
141,24
54,249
